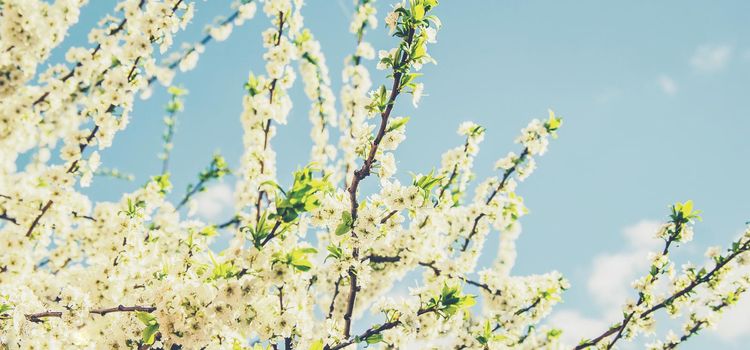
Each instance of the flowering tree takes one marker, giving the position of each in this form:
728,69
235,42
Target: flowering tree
139,273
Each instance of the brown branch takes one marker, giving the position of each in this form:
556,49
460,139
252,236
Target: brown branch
693,331
381,259
232,222
353,289
38,217
38,317
82,146
333,298
87,217
357,61
385,219
438,272
132,69
272,234
364,171
121,308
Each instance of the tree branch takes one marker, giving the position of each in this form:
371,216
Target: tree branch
267,128
364,171
668,301
494,193
38,317
374,330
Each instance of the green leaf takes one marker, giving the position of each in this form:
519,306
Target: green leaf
146,318
687,208
303,266
297,258
252,85
274,184
176,91
554,333
334,252
149,334
374,339
209,231
316,345
419,48
554,122
5,308
308,250
467,302
418,12
303,196
397,123
346,223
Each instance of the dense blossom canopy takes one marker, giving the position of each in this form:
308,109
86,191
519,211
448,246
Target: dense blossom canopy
306,262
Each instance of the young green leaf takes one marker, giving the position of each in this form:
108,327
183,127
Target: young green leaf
148,336
345,225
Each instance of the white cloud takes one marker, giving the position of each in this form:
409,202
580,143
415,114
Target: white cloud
214,201
734,324
667,84
642,236
575,326
611,275
711,58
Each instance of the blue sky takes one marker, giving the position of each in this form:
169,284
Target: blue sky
653,95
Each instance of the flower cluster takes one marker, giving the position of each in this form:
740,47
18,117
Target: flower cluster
314,72
357,84
187,59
